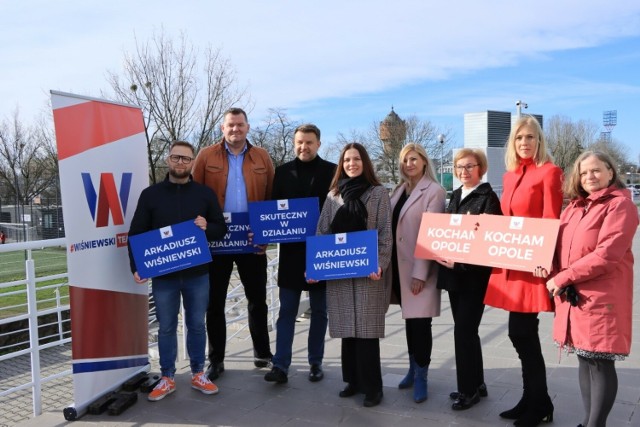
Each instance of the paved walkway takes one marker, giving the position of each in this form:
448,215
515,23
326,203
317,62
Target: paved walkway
245,399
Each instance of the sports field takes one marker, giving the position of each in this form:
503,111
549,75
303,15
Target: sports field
48,261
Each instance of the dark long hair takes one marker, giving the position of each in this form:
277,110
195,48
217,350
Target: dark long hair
367,167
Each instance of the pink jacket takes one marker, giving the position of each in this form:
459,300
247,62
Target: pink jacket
593,253
428,196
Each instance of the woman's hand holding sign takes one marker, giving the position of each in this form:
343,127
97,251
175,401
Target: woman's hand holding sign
376,276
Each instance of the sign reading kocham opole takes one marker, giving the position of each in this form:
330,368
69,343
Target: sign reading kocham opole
515,243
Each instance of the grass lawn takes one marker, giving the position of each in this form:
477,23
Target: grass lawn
48,261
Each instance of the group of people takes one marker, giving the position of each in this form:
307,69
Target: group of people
590,282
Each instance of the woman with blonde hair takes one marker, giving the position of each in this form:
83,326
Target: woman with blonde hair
467,283
414,280
532,187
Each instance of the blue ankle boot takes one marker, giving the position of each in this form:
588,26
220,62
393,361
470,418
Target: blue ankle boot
407,381
420,384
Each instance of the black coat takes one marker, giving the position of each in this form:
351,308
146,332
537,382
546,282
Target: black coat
482,200
287,185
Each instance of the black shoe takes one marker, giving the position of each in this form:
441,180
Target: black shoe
214,370
515,412
536,415
465,402
315,373
373,399
276,375
348,391
482,392
262,362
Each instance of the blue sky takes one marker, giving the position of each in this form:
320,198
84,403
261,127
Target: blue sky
343,64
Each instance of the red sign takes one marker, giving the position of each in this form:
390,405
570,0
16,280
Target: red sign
511,242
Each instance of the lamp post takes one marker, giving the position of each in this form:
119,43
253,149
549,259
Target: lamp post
519,106
441,141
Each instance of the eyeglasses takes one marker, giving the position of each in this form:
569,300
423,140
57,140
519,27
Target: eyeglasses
468,168
184,159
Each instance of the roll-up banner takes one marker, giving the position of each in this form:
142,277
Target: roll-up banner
103,169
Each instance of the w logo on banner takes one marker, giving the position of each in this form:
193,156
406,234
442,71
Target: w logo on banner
107,199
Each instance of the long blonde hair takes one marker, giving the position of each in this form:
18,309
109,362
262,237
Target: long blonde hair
541,156
428,168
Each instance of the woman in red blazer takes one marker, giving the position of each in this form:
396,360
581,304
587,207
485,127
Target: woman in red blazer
532,188
592,279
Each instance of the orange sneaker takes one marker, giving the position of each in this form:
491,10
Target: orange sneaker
165,387
200,382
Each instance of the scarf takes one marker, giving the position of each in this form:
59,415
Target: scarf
352,215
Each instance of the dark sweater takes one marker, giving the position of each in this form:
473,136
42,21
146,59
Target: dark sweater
167,203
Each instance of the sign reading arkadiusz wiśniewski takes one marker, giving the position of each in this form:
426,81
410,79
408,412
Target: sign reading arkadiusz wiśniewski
342,256
284,221
169,249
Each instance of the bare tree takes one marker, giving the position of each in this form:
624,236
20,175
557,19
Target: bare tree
183,94
276,136
618,152
28,164
567,139
384,146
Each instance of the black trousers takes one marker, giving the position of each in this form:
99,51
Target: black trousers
361,364
418,333
467,308
253,274
419,339
523,332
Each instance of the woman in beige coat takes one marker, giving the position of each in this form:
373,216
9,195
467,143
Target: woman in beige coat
357,307
414,280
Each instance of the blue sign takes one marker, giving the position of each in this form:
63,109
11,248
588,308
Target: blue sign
342,256
236,240
169,249
284,221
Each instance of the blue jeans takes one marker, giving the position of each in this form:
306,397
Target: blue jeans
195,296
285,326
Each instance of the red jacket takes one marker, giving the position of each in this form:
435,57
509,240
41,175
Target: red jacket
594,254
532,192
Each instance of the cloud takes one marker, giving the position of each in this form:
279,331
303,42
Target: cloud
294,53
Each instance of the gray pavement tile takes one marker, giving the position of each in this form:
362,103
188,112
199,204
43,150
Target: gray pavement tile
245,399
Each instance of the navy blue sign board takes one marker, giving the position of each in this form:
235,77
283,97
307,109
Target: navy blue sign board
284,221
169,249
342,256
236,240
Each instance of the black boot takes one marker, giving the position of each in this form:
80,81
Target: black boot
517,411
538,411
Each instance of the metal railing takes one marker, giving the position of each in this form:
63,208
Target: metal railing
27,286
58,305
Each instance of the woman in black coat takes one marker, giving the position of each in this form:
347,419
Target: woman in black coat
467,283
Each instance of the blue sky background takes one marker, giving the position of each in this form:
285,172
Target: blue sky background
343,64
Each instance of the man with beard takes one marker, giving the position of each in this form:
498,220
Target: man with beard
239,173
177,199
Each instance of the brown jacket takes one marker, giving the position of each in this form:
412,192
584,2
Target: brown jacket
211,168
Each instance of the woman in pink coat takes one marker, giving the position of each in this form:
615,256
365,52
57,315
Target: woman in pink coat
414,280
592,279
